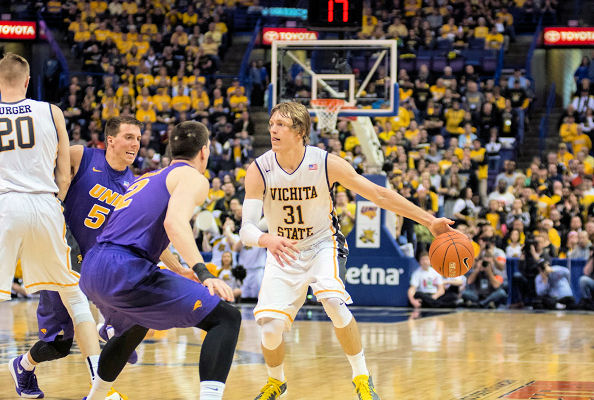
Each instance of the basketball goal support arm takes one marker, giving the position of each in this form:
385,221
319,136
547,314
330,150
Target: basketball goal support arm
371,72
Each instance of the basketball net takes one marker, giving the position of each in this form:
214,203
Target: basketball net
327,112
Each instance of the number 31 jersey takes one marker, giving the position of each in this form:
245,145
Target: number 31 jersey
299,205
28,147
94,192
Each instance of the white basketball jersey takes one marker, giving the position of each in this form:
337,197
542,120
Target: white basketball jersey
298,206
28,147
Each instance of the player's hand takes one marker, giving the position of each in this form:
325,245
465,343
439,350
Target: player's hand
283,249
441,225
188,273
218,287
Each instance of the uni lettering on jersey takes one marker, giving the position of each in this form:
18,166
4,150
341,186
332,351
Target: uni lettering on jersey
105,195
293,193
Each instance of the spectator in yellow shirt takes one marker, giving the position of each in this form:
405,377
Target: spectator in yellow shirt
581,141
494,40
145,113
181,102
236,99
563,155
568,130
482,30
162,99
130,7
190,18
144,96
179,36
454,117
369,23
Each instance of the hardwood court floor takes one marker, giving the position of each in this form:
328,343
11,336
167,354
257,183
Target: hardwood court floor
458,355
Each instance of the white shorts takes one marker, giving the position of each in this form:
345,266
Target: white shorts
33,229
284,289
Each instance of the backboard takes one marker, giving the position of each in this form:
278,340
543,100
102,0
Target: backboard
361,72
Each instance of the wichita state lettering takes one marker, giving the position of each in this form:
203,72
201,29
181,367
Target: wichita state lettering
294,214
293,193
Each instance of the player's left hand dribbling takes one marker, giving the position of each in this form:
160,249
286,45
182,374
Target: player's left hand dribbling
441,225
219,288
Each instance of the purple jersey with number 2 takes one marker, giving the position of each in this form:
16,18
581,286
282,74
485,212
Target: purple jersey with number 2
119,274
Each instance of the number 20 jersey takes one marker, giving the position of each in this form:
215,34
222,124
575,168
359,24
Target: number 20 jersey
28,147
94,192
299,205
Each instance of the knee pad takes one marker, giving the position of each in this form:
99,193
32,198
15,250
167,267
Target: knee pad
272,333
77,305
48,351
337,311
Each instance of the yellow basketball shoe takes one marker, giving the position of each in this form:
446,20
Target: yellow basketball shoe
364,387
274,389
115,395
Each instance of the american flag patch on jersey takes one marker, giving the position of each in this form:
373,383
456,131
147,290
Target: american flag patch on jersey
313,167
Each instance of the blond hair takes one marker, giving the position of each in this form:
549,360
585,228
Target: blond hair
298,114
13,69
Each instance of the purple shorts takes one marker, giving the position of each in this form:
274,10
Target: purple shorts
130,290
52,317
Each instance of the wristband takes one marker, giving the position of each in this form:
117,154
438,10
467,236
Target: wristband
202,272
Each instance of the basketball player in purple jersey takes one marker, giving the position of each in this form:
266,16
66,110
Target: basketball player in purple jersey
100,177
120,275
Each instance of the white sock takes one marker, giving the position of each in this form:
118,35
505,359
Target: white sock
26,364
211,390
277,372
99,390
358,364
92,365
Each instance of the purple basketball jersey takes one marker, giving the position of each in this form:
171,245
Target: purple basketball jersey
137,220
95,190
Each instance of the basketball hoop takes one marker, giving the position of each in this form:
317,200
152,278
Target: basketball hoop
327,112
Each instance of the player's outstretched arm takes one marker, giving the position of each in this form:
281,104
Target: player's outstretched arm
188,189
281,248
62,170
341,171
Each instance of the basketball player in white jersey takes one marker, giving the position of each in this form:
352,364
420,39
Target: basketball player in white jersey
34,177
293,183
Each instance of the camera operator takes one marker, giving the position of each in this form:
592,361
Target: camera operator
552,287
523,290
484,287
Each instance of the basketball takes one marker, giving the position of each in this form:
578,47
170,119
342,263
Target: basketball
451,254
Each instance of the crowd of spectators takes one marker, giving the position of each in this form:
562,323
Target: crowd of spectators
443,152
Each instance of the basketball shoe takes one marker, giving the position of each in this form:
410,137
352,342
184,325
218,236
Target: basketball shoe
106,332
25,381
364,387
273,389
113,395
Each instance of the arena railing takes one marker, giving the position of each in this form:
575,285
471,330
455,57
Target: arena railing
543,130
65,74
245,62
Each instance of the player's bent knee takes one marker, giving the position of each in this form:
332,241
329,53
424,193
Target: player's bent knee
272,333
77,305
48,351
337,311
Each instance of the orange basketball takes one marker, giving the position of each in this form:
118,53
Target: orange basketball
451,254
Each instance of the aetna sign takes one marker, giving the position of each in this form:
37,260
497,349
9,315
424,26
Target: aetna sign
19,30
271,34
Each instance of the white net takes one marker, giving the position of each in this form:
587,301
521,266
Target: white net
327,112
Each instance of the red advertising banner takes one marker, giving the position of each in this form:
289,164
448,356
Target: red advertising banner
569,36
20,30
271,34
